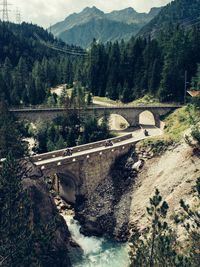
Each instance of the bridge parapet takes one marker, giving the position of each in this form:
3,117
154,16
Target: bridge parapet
81,148
59,163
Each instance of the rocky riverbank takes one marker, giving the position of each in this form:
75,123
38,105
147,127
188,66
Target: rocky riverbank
107,211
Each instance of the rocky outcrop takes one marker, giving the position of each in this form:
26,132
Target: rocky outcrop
106,212
43,212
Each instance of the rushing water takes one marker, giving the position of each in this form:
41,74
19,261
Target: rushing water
98,252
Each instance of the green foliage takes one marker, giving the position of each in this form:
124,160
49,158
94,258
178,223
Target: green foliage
70,130
29,69
93,131
10,134
23,242
89,99
189,218
156,246
196,133
196,80
125,71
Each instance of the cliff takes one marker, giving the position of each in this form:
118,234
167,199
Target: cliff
44,211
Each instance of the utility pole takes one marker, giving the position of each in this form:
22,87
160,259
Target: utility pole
18,16
5,10
185,87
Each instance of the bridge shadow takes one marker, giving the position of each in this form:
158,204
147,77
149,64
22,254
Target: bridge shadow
147,126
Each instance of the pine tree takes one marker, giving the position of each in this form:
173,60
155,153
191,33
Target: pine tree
196,80
25,239
14,219
156,245
89,99
190,220
10,136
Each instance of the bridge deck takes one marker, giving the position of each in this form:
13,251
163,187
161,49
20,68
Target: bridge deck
57,109
85,154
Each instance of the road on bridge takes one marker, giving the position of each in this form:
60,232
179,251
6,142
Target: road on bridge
137,136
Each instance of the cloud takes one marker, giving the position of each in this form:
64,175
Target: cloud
49,12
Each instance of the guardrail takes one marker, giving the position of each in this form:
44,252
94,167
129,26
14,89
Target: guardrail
59,153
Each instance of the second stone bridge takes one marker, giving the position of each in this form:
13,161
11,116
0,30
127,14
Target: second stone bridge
130,114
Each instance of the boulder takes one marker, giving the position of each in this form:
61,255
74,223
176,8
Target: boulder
138,165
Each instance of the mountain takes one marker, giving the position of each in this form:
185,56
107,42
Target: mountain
82,28
179,12
130,16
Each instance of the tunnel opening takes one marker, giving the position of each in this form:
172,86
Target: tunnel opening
146,118
68,189
117,122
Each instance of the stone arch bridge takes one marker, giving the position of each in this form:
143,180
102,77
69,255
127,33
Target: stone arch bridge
131,114
82,172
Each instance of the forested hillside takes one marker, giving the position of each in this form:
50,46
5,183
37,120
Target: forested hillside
179,12
130,70
125,70
27,67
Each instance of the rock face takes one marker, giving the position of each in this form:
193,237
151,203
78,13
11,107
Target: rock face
106,212
44,211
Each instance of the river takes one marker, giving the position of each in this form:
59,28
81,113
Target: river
98,252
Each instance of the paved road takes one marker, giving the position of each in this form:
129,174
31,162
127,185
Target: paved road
137,136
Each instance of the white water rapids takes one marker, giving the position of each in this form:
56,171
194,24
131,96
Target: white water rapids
98,252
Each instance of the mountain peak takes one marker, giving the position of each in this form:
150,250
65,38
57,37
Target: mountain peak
92,10
155,10
129,9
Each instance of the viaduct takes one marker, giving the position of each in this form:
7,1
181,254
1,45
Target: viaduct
131,114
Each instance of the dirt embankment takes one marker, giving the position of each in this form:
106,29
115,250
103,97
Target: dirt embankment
174,174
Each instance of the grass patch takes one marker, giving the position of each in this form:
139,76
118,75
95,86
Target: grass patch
106,100
146,100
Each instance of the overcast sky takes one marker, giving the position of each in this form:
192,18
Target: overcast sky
46,12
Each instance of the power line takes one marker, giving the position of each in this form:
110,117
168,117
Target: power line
66,50
5,10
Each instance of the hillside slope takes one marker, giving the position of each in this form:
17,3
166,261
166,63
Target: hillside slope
173,174
28,67
179,12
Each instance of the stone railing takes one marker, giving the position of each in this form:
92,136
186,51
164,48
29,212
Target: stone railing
60,108
56,163
59,153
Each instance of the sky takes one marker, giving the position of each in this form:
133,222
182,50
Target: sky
46,12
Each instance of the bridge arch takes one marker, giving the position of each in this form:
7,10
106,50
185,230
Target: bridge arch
68,187
147,118
117,122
